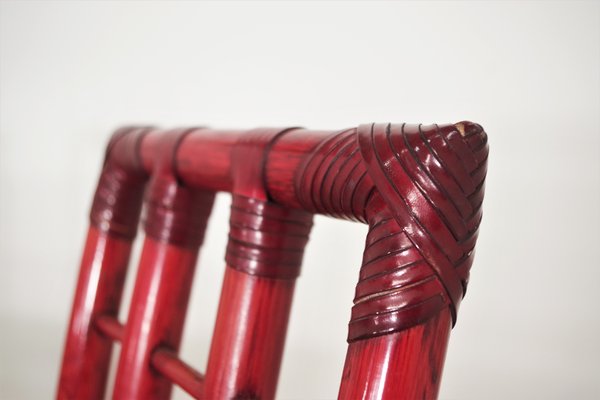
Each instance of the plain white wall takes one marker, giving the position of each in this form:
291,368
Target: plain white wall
70,72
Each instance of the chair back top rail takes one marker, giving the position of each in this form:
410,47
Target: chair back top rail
315,170
419,187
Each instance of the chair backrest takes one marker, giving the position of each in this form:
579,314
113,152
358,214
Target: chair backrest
419,188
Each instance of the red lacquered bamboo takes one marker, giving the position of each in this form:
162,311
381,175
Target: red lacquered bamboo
249,337
378,368
175,221
110,327
87,351
155,319
264,254
114,218
424,217
420,189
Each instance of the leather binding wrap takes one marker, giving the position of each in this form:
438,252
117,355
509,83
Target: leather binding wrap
424,218
266,239
175,213
420,189
334,180
118,199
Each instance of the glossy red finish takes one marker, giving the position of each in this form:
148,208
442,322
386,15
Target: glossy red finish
99,288
175,221
110,327
264,255
166,363
401,365
114,218
155,318
420,189
249,336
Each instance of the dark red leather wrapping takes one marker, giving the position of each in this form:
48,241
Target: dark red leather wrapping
175,213
118,198
423,219
420,189
333,180
266,239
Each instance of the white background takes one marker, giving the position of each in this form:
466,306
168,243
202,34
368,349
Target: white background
70,72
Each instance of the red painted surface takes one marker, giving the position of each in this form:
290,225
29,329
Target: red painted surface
99,288
401,365
176,217
264,255
249,336
110,327
113,218
420,189
155,318
167,364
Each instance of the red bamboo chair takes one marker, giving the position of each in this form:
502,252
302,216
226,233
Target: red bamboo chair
419,188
